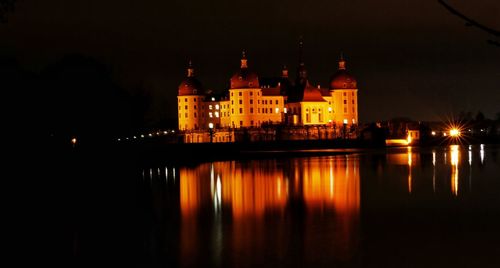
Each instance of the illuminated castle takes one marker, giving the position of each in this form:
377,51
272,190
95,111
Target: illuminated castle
251,103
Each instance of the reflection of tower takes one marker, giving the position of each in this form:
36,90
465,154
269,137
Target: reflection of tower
454,168
409,168
332,188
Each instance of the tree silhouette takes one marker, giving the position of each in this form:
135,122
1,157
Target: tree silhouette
473,23
5,7
81,98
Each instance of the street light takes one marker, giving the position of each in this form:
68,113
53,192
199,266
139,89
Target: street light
211,131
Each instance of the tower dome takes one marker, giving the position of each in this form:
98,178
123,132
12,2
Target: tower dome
342,79
244,78
190,85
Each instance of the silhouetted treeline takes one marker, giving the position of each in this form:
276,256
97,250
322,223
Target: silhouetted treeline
73,97
6,6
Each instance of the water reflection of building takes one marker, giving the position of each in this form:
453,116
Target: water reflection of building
257,197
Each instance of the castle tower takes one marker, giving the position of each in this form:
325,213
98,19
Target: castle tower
344,91
190,102
244,96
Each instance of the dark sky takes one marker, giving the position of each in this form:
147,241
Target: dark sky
411,58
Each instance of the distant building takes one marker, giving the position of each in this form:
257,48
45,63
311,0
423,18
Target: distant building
252,103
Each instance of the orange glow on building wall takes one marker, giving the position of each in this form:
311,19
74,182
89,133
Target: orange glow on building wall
248,103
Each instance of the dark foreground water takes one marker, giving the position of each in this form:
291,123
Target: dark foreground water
399,207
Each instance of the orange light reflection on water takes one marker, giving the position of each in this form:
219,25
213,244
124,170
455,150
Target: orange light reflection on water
454,160
249,192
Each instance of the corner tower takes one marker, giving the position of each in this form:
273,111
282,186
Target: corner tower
189,102
344,91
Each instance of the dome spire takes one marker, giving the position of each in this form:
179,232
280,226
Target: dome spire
284,72
301,51
244,60
301,70
341,61
190,69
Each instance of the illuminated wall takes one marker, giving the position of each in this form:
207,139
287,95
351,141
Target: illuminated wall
191,112
345,106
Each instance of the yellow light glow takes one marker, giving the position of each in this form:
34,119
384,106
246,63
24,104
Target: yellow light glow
454,132
73,141
409,138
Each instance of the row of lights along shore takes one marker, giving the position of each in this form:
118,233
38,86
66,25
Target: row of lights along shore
147,135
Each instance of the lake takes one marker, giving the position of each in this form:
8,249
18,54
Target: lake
394,207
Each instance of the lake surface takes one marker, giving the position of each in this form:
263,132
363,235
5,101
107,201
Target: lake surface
395,207
401,207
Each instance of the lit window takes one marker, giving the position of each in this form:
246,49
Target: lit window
210,107
277,110
284,110
216,106
217,114
330,109
210,115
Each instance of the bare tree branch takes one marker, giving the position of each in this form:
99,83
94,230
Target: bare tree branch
6,6
472,23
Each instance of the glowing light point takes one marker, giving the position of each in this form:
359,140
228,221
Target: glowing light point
454,132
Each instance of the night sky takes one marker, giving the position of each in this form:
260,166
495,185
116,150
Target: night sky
411,58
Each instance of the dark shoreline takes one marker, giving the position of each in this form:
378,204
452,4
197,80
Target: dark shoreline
156,151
